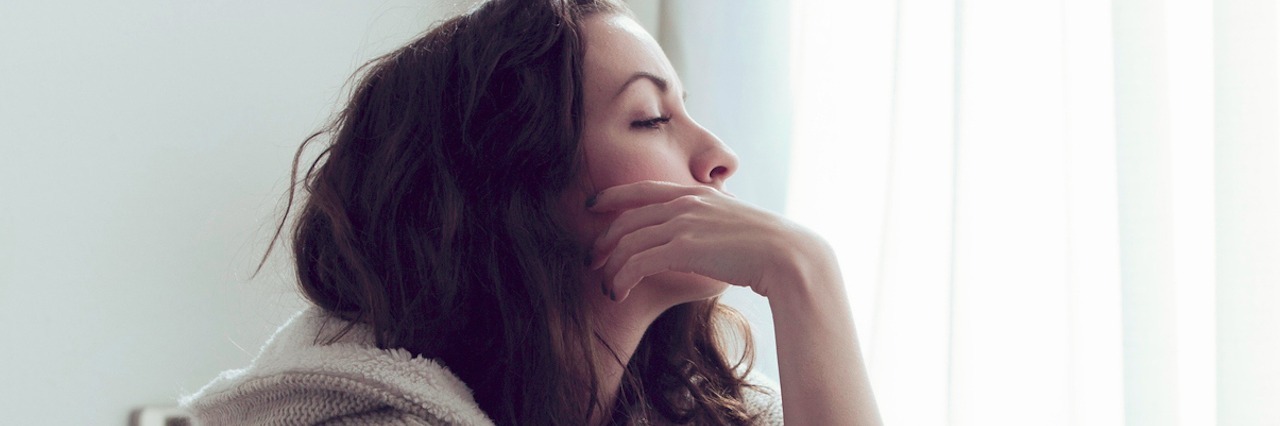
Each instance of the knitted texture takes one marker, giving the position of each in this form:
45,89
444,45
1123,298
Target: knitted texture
296,379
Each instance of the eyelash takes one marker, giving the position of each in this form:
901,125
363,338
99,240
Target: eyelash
654,123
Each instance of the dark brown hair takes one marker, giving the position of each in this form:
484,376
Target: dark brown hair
431,216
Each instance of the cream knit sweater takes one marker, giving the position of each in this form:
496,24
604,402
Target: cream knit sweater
294,381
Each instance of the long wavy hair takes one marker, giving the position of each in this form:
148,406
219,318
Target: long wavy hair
431,216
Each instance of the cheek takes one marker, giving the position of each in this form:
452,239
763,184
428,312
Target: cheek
628,160
631,171
613,160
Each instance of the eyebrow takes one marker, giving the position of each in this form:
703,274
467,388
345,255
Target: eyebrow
662,83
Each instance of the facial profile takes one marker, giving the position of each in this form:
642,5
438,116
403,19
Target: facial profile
636,128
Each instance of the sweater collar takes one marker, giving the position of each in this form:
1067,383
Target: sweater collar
299,346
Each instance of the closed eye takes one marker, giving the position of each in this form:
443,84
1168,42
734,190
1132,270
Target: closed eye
652,123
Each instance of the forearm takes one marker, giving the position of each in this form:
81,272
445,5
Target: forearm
823,377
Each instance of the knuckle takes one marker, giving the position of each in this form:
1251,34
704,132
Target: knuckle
679,243
680,224
626,240
642,258
624,217
686,201
624,271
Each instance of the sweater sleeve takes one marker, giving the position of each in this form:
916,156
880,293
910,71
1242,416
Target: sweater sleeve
764,399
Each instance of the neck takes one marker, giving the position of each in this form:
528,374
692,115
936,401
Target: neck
621,325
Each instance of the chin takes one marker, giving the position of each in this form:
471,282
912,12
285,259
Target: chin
678,287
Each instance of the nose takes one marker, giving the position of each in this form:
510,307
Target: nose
712,162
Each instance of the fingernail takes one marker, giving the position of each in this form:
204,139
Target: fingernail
591,201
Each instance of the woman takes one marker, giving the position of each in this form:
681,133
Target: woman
517,222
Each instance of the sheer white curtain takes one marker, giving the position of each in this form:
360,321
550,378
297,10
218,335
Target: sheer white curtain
1049,212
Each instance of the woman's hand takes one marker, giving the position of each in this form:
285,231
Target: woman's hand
696,229
665,226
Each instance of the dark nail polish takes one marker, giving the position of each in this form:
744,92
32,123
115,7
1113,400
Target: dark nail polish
591,201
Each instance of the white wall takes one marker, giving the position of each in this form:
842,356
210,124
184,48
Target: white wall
144,145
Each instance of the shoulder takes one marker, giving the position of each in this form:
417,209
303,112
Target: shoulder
297,378
763,398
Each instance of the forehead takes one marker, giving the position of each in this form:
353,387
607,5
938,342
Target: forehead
616,48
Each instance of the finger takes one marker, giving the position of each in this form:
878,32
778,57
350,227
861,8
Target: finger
636,194
635,242
632,220
671,256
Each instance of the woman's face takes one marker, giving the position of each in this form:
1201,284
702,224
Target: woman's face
636,128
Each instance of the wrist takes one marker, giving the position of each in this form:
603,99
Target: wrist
805,264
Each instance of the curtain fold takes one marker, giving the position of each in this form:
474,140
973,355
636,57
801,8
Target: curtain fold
1247,209
1146,224
913,276
1073,203
1093,263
